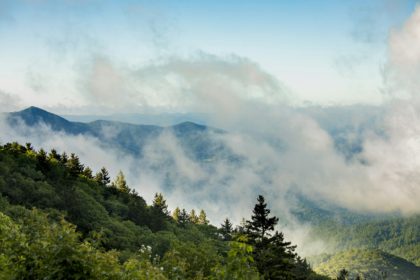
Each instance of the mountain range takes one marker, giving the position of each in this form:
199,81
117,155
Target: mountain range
396,236
125,137
203,144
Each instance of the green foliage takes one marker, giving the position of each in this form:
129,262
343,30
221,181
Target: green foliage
343,275
183,218
160,204
33,247
190,260
239,262
160,213
202,218
120,183
83,228
370,264
192,217
42,251
74,166
176,214
260,225
275,258
226,230
397,236
102,177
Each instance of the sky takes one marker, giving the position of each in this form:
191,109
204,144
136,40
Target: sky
63,55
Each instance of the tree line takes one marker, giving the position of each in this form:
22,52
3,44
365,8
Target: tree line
61,221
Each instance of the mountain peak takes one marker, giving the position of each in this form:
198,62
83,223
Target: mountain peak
34,109
32,116
189,125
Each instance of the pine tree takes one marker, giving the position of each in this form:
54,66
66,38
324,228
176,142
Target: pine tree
102,177
64,158
183,218
226,230
53,155
275,258
87,172
29,147
241,228
202,218
159,203
193,218
176,214
74,165
120,183
260,223
41,157
159,212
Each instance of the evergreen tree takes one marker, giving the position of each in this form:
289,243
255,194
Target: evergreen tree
176,214
261,224
87,172
202,218
183,217
275,258
241,228
159,203
226,230
193,218
74,165
41,156
64,158
159,212
54,155
29,147
302,268
120,183
102,177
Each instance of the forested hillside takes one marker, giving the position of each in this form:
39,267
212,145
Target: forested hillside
367,244
397,236
59,220
370,264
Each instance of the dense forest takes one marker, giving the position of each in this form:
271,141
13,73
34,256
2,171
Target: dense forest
369,264
399,236
59,220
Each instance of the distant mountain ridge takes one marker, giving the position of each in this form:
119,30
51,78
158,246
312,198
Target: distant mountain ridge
160,119
129,138
34,115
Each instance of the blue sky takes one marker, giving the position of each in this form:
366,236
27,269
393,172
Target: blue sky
323,52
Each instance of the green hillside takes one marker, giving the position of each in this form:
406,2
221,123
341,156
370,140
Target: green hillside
397,236
58,220
369,263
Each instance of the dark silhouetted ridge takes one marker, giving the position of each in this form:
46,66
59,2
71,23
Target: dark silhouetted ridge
188,127
35,116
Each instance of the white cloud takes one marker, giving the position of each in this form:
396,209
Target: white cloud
9,102
202,82
403,67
